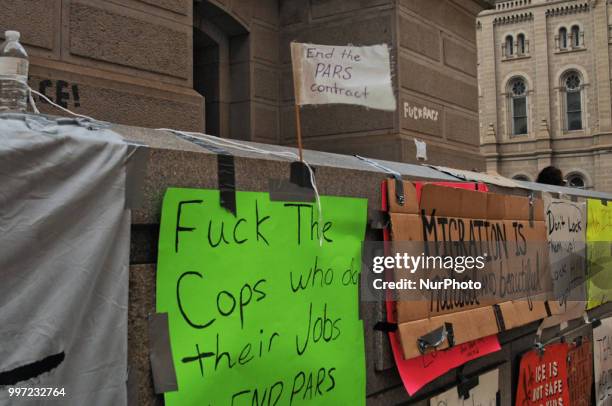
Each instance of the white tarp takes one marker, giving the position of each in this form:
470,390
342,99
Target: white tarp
64,257
342,74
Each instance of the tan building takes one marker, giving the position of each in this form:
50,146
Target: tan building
223,66
544,89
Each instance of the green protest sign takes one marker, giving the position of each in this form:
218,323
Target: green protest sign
260,312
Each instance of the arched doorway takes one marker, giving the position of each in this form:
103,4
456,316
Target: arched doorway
221,71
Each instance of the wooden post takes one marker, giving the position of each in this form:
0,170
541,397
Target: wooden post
296,62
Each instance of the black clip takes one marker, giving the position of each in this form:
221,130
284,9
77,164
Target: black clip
300,174
435,338
547,308
499,318
604,202
595,322
399,189
464,385
450,334
378,219
385,326
540,348
578,341
531,201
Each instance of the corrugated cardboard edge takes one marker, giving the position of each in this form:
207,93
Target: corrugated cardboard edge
467,326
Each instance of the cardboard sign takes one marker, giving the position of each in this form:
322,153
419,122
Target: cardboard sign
543,377
419,371
566,234
580,373
483,394
599,252
325,74
259,312
510,230
602,359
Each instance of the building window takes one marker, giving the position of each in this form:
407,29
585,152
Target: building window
509,46
573,102
520,44
563,38
576,36
518,106
575,180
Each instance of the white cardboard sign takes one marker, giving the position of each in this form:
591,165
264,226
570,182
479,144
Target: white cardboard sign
602,358
324,74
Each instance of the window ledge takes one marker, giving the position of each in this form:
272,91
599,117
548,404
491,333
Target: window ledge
515,57
574,132
570,50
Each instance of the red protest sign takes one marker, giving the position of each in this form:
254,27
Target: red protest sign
543,377
580,373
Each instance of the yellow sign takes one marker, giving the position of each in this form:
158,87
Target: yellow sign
599,252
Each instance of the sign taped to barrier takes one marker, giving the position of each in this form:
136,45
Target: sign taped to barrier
509,232
259,311
599,252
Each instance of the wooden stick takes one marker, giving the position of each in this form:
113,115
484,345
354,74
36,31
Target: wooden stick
298,127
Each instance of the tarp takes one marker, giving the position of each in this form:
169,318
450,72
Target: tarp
64,257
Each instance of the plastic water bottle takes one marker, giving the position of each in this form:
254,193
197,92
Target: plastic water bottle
13,74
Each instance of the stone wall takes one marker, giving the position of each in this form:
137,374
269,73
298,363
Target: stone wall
336,128
433,68
177,163
437,72
223,66
125,61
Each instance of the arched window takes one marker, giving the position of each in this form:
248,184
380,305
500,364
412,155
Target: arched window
575,36
520,44
563,38
573,101
518,106
509,46
575,180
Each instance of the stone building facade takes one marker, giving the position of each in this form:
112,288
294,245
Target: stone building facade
544,89
223,66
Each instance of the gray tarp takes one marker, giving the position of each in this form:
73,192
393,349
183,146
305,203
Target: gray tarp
64,257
